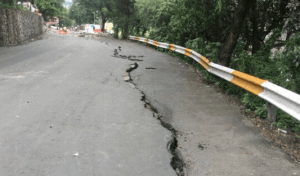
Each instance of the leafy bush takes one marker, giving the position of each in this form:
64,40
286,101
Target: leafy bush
210,51
12,6
284,121
203,25
283,70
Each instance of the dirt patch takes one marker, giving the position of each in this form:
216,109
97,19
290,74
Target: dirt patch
289,142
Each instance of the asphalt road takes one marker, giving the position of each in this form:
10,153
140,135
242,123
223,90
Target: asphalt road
64,95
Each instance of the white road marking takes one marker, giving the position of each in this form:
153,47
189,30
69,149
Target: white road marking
22,75
62,58
66,55
12,77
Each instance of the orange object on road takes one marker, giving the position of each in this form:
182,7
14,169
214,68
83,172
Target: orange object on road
60,32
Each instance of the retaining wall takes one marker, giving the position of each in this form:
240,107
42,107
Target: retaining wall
17,26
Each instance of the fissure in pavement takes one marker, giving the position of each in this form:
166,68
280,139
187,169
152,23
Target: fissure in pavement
130,57
177,162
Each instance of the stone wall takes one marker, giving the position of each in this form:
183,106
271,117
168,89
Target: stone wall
17,26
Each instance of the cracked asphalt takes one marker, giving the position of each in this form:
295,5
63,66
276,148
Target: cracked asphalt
65,95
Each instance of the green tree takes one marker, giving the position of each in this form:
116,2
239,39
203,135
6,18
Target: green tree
226,50
8,2
13,4
50,8
81,14
147,11
122,15
103,6
259,37
64,18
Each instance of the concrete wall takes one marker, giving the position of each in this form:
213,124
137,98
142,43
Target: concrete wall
17,26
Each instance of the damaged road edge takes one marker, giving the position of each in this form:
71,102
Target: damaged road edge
177,162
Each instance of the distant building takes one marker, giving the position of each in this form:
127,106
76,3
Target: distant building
29,6
54,21
109,27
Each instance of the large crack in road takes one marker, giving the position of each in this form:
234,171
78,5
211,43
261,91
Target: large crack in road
177,163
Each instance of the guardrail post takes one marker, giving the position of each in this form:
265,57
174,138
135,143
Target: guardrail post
272,110
284,99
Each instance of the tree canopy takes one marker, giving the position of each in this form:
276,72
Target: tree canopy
50,8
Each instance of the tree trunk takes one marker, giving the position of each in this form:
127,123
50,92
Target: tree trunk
256,43
126,30
116,31
247,36
103,21
137,30
227,48
144,31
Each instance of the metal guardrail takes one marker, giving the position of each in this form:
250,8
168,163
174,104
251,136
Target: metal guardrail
280,97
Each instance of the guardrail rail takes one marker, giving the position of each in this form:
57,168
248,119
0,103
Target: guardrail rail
280,97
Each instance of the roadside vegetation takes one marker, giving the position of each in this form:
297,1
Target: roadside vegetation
54,8
48,8
258,37
120,12
11,5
